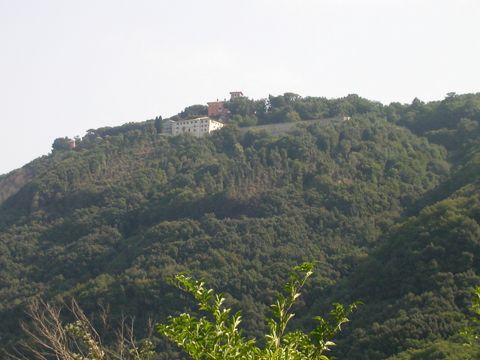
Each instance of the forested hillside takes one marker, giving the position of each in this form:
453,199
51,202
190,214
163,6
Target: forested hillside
387,204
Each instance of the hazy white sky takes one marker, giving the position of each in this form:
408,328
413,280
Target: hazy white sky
67,66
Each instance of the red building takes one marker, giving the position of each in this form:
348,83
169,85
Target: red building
216,108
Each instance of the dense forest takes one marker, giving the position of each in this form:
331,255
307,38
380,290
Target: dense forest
386,204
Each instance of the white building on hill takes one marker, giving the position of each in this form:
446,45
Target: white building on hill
197,127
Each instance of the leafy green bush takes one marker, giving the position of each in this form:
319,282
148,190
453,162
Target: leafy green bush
222,339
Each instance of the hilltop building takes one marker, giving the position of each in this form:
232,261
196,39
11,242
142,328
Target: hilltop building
217,109
197,127
167,126
235,94
71,144
202,125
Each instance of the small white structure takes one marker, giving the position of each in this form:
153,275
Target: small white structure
197,127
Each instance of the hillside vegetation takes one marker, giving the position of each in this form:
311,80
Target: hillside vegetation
387,204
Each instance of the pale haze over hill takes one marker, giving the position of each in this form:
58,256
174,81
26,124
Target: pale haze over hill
69,66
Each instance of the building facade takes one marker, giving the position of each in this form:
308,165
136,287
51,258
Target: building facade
167,126
235,94
216,109
197,127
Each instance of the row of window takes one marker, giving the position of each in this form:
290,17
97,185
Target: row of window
194,127
192,121
184,129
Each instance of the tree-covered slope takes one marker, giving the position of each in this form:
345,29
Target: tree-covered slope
417,286
109,221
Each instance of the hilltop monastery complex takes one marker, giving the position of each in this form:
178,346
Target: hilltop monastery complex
202,125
